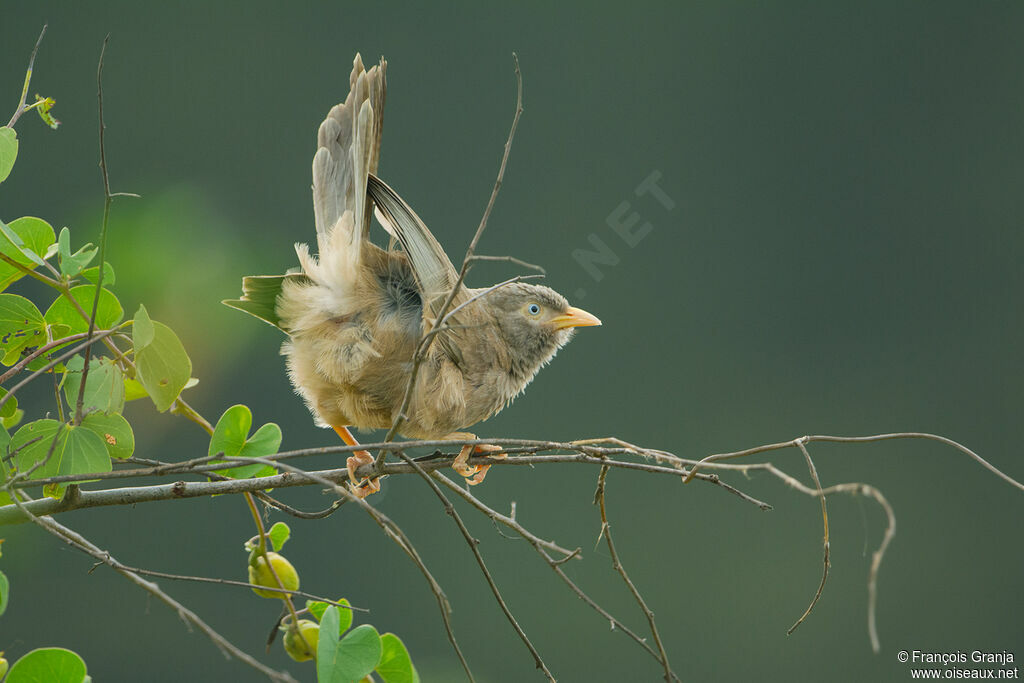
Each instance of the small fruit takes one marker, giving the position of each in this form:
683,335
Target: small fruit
3,666
304,648
260,574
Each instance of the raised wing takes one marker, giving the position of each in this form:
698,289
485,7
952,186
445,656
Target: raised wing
434,272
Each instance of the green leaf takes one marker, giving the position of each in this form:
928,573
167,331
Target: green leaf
108,311
104,387
35,233
316,608
14,245
115,431
162,367
8,151
351,658
395,664
5,588
21,326
72,264
48,665
133,390
76,450
231,431
142,329
10,407
279,534
231,437
64,243
91,274
12,422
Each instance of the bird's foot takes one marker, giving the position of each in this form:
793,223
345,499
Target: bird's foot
369,485
474,474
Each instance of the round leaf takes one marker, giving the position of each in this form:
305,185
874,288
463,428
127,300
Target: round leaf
108,311
76,450
104,386
48,665
8,151
142,329
395,664
162,367
231,431
21,326
278,535
115,431
351,658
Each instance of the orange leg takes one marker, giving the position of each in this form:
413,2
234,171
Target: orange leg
358,458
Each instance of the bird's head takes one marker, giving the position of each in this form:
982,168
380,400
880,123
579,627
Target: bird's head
535,322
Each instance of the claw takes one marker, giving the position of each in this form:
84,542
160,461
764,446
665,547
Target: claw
361,489
474,474
368,486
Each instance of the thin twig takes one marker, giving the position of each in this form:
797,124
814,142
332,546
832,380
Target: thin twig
392,531
20,365
857,439
510,259
556,565
824,518
108,199
606,531
474,548
28,78
114,564
54,363
188,616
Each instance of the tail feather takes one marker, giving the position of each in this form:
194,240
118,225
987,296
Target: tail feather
259,296
348,148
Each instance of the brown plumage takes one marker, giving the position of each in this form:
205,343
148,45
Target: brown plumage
355,312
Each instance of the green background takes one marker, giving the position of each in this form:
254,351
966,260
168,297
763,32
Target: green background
843,257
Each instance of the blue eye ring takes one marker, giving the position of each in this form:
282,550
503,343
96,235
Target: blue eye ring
533,309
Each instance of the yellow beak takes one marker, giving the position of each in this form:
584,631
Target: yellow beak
574,317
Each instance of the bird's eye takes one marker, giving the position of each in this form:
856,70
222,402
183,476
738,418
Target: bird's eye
533,309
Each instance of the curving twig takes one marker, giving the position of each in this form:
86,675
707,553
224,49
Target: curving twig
606,531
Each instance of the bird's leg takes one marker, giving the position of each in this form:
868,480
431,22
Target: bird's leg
474,474
358,459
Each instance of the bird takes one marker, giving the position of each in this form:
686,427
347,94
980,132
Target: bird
355,313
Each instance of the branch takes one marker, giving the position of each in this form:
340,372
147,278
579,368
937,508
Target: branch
473,546
188,616
392,531
28,78
606,531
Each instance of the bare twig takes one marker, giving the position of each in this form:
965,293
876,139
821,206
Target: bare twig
606,531
21,109
188,616
114,564
556,565
108,199
392,531
824,517
42,350
857,439
474,548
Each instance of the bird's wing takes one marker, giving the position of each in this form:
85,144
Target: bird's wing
434,272
348,150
